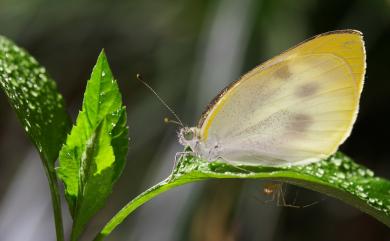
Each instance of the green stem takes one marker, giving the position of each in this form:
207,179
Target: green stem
56,202
136,202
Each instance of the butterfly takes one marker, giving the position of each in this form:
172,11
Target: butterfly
294,109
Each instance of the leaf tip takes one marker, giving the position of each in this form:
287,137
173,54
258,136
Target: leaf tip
102,55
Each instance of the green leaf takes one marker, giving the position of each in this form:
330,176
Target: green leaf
35,99
94,154
338,176
40,108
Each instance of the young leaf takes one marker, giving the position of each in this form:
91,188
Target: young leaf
338,176
94,154
39,107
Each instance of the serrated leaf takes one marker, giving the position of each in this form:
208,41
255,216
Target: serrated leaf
35,99
94,154
338,176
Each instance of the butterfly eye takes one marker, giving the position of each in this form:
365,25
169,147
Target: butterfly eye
188,135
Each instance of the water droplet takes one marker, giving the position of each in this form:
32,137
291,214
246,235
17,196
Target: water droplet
369,173
31,106
340,175
34,93
336,161
320,172
346,166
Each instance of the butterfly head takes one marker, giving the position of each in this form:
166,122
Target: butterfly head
189,136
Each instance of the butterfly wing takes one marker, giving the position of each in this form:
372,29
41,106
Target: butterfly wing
295,108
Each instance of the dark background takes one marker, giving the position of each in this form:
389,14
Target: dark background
187,50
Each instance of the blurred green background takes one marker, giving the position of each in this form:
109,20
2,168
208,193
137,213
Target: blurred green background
187,50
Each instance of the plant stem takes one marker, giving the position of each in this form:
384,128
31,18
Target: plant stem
136,202
56,202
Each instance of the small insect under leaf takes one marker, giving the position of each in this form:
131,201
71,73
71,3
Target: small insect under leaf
278,194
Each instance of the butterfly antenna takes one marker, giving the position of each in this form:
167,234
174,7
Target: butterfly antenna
166,120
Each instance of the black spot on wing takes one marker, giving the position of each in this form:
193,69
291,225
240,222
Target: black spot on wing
283,72
300,122
307,90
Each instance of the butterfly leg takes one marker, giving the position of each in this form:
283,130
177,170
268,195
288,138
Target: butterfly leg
236,167
178,155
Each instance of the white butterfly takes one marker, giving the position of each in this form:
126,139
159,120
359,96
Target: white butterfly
294,109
